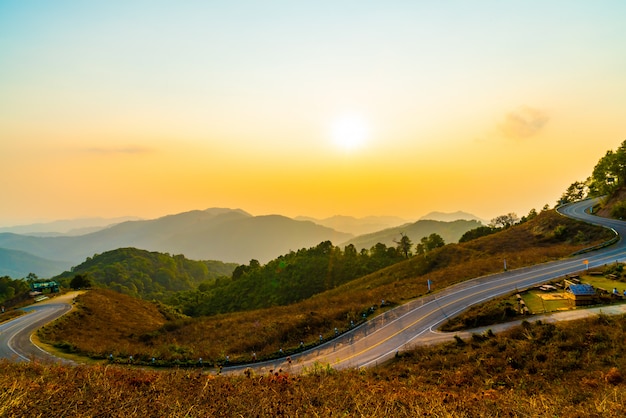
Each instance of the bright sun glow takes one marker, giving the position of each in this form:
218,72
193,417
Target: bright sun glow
350,132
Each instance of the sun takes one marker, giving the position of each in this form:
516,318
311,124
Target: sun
350,131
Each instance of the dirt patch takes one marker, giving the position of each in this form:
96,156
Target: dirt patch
551,296
64,298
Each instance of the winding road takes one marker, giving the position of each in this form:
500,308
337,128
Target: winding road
415,323
15,335
379,339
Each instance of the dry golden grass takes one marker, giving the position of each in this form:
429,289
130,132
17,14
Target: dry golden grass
103,321
536,370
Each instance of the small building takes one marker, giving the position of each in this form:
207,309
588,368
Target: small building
40,287
581,294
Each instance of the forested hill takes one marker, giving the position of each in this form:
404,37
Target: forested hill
149,275
287,279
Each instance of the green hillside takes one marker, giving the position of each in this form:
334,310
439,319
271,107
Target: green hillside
145,274
290,278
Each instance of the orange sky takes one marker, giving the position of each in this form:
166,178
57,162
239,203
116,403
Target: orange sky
353,108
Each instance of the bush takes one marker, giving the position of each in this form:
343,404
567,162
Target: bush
559,231
619,210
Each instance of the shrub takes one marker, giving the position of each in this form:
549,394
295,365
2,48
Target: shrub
619,210
614,376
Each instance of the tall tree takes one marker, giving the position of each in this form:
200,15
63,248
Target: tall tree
504,221
610,172
429,243
404,246
80,281
575,192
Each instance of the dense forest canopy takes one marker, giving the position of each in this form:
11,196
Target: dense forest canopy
291,277
10,288
145,274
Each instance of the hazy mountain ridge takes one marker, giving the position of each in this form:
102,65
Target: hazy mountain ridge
357,226
67,226
451,232
229,235
18,264
451,216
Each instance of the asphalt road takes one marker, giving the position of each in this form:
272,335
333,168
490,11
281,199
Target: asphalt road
15,335
381,338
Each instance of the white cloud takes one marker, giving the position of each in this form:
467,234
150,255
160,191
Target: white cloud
523,123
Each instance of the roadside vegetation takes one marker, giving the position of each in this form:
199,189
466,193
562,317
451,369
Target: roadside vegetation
13,294
12,291
570,369
508,308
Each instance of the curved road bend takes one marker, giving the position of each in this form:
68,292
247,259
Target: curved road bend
415,322
15,341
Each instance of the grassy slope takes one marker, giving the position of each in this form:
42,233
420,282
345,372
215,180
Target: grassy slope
112,316
567,370
265,331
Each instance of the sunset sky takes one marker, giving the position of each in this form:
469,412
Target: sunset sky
318,108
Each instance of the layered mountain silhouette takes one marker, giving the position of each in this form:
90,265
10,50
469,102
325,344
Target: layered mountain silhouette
228,235
18,264
357,226
67,226
450,216
213,234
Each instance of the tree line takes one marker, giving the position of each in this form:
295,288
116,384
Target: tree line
11,289
609,174
296,276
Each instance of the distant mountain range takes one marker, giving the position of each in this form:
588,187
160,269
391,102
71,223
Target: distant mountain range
357,226
228,235
67,227
213,234
18,264
451,232
450,217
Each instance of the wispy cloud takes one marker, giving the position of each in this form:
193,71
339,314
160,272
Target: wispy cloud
129,150
523,123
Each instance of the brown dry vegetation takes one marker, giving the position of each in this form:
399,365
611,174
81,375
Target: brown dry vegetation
108,323
606,206
10,314
540,370
105,318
